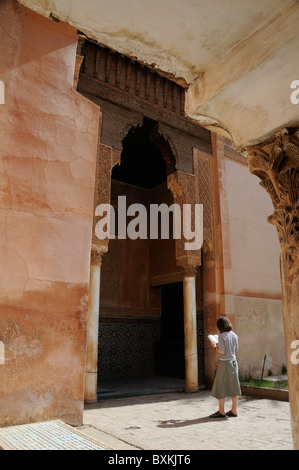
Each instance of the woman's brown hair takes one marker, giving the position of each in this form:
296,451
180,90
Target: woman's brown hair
223,324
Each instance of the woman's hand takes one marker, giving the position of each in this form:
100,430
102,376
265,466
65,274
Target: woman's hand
219,350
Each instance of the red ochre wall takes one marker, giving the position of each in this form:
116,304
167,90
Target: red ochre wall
48,141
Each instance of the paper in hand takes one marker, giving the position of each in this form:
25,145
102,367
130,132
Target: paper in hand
213,339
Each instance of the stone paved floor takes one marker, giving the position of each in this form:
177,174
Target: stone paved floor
179,421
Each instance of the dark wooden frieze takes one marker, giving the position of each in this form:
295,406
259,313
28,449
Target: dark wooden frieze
124,74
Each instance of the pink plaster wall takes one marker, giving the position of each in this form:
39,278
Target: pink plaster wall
255,252
255,248
48,139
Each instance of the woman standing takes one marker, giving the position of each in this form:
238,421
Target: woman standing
226,383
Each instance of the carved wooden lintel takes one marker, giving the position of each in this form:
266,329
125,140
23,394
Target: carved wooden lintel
135,79
276,163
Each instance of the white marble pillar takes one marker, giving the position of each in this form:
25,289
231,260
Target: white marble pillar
190,331
91,370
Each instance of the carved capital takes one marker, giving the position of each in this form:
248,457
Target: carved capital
190,271
276,163
97,252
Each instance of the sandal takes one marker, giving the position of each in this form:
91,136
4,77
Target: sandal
217,415
231,414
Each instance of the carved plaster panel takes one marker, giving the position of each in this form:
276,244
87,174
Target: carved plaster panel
182,186
107,159
204,185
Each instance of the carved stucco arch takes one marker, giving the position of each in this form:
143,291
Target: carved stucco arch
186,188
108,158
167,149
162,142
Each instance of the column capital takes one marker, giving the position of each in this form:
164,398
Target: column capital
190,271
97,253
276,163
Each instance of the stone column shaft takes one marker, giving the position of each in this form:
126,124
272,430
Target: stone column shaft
190,332
107,158
91,370
182,186
290,297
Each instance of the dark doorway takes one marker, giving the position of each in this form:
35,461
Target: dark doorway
146,159
170,356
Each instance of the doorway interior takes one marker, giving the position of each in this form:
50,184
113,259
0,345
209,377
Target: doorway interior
170,357
141,327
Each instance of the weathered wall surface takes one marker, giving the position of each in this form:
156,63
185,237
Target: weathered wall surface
255,271
190,43
179,40
48,139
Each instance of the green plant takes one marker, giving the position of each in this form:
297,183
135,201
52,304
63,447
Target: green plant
246,378
270,372
264,383
284,369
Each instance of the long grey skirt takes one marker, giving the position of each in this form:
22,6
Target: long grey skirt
226,383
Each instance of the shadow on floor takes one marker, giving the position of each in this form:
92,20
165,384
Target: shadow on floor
130,387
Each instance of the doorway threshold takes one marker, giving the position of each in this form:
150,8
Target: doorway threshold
130,387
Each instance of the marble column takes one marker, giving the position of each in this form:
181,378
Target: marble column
91,371
182,186
107,158
190,331
276,163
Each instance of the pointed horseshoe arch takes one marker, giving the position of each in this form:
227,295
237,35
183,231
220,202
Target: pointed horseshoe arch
147,157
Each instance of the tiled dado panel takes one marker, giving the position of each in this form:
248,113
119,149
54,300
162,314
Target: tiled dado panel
127,347
200,346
